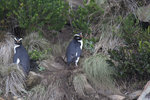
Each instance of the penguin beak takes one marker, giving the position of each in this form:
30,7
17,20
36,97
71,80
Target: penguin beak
18,41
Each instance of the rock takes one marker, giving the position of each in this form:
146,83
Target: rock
97,97
146,92
17,98
1,98
100,1
75,3
143,13
116,97
135,95
33,79
81,85
51,65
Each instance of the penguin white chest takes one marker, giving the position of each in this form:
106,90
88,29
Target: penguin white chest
18,61
15,47
81,44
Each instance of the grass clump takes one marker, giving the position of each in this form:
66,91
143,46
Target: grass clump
35,42
79,84
6,50
59,49
36,93
99,72
37,46
13,80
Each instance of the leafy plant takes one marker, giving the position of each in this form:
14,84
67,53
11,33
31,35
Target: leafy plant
31,14
132,60
89,44
82,16
39,55
36,55
41,68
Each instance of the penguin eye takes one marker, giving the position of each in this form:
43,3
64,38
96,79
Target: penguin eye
78,37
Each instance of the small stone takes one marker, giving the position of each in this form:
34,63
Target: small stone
116,97
81,81
89,89
97,97
135,95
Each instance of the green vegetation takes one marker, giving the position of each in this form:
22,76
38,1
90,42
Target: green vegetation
39,55
83,16
99,72
37,46
89,44
41,68
34,14
115,46
132,60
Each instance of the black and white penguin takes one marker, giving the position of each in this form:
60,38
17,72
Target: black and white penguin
21,56
74,49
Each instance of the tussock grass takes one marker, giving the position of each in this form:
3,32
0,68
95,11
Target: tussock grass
79,84
35,42
36,93
59,49
51,93
13,80
6,50
56,89
99,73
55,93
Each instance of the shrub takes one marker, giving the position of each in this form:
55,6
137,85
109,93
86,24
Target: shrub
89,44
31,14
39,55
82,17
132,60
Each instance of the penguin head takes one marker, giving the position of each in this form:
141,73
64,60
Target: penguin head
78,36
18,41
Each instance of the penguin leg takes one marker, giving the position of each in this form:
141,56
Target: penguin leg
76,62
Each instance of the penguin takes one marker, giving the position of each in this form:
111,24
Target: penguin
74,49
21,56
